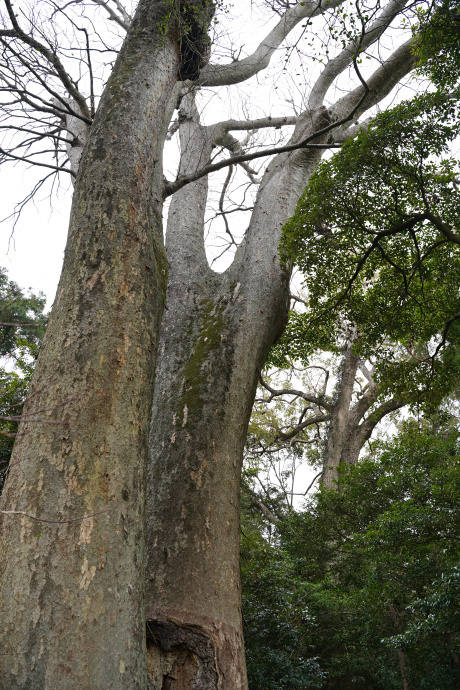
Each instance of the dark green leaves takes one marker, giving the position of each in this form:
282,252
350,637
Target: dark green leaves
377,237
21,316
22,326
366,572
437,42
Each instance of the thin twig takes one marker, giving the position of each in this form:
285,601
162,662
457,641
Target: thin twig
55,522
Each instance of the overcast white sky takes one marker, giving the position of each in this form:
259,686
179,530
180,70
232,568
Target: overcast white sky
33,253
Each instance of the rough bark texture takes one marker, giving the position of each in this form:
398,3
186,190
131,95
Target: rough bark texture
216,333
361,422
72,593
352,423
339,428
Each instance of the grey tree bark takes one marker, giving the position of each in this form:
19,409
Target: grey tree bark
338,426
216,334
362,420
72,589
353,421
341,423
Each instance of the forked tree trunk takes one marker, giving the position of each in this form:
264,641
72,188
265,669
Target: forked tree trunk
352,423
216,333
72,592
339,425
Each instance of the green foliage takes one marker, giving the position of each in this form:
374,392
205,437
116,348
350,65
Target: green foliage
277,646
352,223
19,346
368,231
437,42
371,237
368,574
14,386
18,308
436,615
280,438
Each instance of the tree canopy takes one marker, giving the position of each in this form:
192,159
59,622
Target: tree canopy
22,327
364,580
368,570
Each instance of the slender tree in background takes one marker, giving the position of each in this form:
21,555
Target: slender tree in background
78,585
382,219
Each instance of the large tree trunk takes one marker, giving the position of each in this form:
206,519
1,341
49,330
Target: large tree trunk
72,590
216,333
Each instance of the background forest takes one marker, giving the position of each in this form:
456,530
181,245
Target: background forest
351,569
356,583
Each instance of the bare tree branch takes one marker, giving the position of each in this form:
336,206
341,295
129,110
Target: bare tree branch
317,419
257,123
338,64
52,58
25,159
347,109
315,399
232,144
124,20
241,70
380,83
260,505
317,476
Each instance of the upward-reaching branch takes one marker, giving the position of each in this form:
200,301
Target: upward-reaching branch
53,59
241,70
344,111
123,19
344,59
380,83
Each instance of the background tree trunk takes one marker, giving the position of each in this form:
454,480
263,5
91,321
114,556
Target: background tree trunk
72,590
338,427
352,423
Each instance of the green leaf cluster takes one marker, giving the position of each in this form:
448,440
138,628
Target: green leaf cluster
14,386
17,307
19,345
278,653
437,42
372,235
365,568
